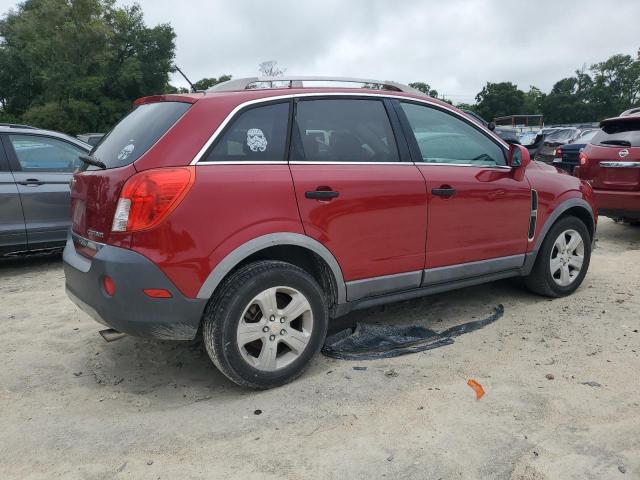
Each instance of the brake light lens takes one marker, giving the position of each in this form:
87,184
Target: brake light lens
150,196
557,153
583,158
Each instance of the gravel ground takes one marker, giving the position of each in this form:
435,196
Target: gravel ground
561,382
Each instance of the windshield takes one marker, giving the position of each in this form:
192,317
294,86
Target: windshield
137,132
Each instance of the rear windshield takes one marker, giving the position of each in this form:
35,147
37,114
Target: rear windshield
137,132
619,134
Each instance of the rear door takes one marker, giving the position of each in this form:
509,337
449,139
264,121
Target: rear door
477,211
42,167
613,157
358,192
13,236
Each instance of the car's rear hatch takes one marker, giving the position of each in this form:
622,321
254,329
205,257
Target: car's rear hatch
613,157
95,191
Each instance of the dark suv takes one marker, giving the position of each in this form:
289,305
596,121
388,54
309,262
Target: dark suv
611,164
257,214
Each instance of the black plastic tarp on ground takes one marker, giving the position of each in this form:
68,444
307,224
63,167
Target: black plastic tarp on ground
368,341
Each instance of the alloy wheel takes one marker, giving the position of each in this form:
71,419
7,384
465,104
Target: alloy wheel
567,257
275,328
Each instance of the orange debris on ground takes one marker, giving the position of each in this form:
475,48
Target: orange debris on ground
477,388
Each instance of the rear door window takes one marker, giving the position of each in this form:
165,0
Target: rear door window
137,132
256,135
343,130
619,134
45,154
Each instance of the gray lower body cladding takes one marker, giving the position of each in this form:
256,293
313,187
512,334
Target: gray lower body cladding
130,310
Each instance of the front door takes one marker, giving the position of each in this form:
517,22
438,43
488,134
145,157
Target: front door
13,236
358,192
478,213
43,167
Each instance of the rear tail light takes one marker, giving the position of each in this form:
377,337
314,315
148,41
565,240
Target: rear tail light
150,196
583,158
557,153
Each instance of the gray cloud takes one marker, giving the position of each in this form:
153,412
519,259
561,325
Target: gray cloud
456,45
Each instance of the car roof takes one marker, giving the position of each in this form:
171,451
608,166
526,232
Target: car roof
28,130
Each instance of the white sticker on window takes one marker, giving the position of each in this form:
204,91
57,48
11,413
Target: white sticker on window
256,140
126,151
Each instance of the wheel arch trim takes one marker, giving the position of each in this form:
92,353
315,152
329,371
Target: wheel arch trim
561,209
247,249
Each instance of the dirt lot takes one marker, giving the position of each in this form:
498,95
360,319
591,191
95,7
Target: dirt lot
73,406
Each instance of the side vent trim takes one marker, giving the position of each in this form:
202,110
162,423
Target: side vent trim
533,219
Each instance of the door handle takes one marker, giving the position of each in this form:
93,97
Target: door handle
444,191
321,194
31,182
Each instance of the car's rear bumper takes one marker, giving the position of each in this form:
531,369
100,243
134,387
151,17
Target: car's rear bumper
617,203
129,310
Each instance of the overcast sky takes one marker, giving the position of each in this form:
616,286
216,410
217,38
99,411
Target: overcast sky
454,45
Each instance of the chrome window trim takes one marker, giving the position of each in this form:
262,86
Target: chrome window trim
257,101
245,162
320,162
500,167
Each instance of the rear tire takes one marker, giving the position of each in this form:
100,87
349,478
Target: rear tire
265,323
563,259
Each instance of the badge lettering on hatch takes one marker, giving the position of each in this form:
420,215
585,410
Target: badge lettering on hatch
94,233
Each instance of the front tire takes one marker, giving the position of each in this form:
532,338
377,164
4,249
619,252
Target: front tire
563,259
265,324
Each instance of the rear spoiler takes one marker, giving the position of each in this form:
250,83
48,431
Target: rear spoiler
628,118
185,98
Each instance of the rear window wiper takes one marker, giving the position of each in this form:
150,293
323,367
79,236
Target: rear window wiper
622,143
88,159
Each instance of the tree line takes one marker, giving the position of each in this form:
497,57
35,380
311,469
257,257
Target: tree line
603,90
76,66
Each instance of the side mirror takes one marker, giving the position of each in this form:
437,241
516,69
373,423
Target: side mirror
491,126
518,160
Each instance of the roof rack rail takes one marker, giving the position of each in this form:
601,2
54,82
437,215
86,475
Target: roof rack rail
254,83
16,125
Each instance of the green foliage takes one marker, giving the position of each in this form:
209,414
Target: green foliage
205,83
499,99
604,90
467,106
424,88
77,65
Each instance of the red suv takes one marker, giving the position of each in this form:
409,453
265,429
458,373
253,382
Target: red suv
257,214
611,164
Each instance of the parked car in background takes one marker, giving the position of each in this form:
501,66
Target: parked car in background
508,134
553,140
291,206
91,138
36,167
567,156
611,164
527,138
631,111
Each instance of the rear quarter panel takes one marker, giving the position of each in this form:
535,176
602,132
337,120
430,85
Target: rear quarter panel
227,206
